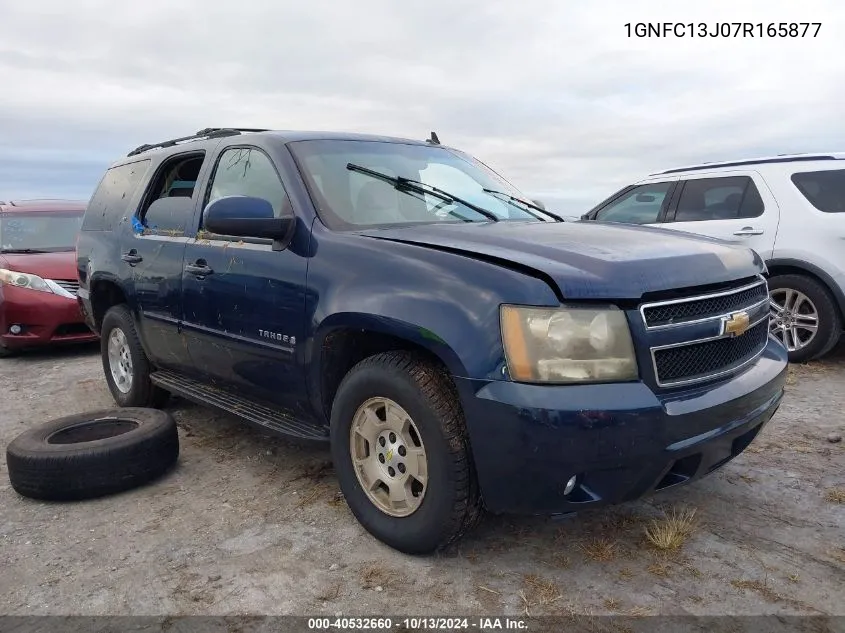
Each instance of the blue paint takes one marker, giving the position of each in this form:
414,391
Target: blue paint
259,323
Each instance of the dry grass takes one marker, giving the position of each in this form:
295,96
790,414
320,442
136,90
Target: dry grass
835,495
312,495
599,549
672,530
330,593
622,521
626,574
794,578
374,575
838,554
640,612
539,592
612,604
755,585
659,569
558,560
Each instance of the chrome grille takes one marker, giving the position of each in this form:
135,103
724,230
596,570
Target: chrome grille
71,285
703,360
679,311
692,340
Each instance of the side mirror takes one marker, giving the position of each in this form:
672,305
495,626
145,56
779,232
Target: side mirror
540,204
586,216
245,216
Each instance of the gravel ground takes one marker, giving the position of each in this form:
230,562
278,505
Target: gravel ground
252,524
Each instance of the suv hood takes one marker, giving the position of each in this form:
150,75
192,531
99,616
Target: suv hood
61,265
588,260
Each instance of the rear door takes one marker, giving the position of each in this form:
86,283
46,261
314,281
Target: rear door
735,206
152,254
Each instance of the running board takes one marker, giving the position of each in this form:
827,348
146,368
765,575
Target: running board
244,408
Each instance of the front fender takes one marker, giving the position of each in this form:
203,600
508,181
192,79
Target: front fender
446,303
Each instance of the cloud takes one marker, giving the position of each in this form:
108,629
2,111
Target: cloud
554,95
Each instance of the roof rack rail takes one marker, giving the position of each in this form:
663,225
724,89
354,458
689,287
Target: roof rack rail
790,158
205,133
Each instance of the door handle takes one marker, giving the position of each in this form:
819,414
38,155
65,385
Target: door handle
198,269
749,230
132,257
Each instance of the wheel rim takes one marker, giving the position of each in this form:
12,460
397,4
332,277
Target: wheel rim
794,318
120,360
389,457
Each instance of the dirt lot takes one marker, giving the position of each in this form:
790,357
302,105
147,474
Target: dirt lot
251,524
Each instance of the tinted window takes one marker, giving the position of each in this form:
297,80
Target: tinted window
112,196
169,203
824,189
40,231
718,199
243,171
640,205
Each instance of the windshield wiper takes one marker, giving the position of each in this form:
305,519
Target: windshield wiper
530,205
406,184
18,251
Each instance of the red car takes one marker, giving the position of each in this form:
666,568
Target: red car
38,279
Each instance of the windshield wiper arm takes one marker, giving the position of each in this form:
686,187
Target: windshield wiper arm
401,183
530,205
18,251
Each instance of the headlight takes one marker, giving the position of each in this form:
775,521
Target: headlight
33,282
568,345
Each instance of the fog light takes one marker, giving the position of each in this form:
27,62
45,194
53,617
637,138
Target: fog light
570,485
15,329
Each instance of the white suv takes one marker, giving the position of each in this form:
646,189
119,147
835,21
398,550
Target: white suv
790,209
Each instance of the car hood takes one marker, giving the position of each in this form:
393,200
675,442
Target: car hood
588,260
60,265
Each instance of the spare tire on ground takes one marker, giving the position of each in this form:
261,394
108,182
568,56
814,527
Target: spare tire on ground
92,454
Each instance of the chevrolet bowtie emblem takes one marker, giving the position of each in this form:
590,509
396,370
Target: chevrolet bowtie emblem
736,324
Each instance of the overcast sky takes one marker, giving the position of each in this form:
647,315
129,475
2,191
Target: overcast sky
553,94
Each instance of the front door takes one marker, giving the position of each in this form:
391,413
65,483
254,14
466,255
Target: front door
244,302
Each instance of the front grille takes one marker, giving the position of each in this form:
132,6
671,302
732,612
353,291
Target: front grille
70,285
681,311
699,361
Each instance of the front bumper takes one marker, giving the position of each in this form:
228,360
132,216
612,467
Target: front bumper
623,441
45,319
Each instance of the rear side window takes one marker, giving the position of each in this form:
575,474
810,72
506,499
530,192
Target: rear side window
719,199
114,192
824,189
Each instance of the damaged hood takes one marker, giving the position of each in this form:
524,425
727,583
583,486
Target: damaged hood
588,260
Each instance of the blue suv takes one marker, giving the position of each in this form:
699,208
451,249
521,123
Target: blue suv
458,346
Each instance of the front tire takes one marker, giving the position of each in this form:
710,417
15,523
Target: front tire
804,317
400,450
125,363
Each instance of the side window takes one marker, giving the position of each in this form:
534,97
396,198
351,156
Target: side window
640,205
169,203
114,192
824,189
245,171
725,198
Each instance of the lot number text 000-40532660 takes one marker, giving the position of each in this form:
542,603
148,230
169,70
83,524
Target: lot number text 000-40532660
722,29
